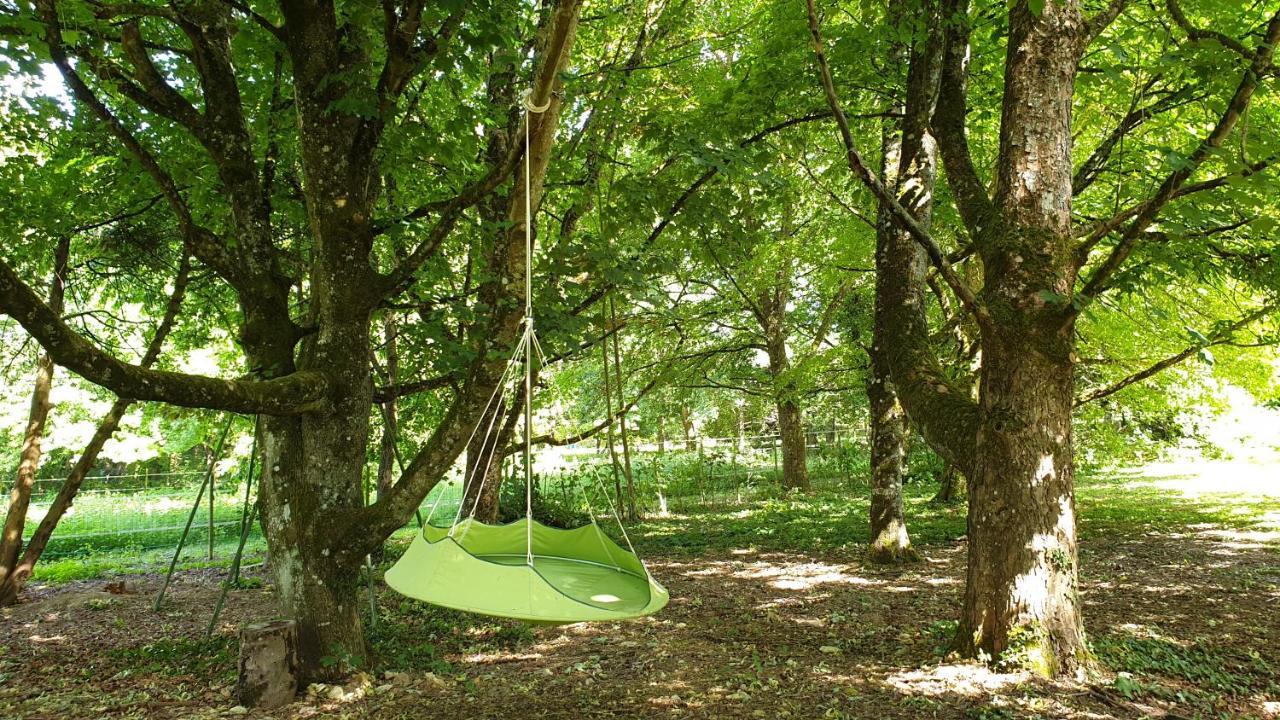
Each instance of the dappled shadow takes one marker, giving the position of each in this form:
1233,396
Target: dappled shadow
1185,605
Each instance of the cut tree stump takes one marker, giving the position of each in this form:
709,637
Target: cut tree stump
267,677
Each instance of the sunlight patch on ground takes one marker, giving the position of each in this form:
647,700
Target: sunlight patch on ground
494,658
780,602
1213,477
968,679
802,576
942,581
1166,589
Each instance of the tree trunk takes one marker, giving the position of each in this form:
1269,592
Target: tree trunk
268,655
387,449
773,310
795,469
686,426
1021,598
313,384
951,486
908,158
890,542
630,509
614,461
15,518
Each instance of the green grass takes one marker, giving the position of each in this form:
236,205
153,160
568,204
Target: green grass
1115,504
1199,672
712,509
825,520
205,657
832,518
123,560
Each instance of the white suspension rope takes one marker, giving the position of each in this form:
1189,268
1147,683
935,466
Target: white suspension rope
521,349
502,383
531,339
617,516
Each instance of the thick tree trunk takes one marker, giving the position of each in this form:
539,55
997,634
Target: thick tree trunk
15,518
1021,598
1021,594
795,469
266,677
313,386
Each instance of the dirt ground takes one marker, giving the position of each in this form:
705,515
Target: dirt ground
747,635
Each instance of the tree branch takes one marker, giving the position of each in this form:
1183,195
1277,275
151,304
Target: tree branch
1195,33
292,394
1260,64
900,214
1097,24
201,241
1221,337
949,115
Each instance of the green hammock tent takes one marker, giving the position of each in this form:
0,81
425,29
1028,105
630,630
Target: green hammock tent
575,575
525,570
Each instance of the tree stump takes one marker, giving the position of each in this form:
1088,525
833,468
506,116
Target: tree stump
267,676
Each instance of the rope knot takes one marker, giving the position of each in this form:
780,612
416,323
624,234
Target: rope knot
526,99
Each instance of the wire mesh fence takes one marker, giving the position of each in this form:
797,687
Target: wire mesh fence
145,515
141,517
699,473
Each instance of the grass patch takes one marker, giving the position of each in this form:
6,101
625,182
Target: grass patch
213,657
824,520
1199,672
418,636
1118,505
833,517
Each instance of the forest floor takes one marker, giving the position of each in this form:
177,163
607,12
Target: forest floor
774,614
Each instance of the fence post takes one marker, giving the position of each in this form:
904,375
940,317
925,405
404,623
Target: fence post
775,457
213,481
195,508
703,472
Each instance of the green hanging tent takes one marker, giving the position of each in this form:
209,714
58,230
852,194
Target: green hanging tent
573,576
525,570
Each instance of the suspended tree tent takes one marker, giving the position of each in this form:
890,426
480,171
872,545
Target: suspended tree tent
525,570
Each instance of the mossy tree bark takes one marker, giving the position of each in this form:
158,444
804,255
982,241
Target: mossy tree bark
312,380
1015,443
909,172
